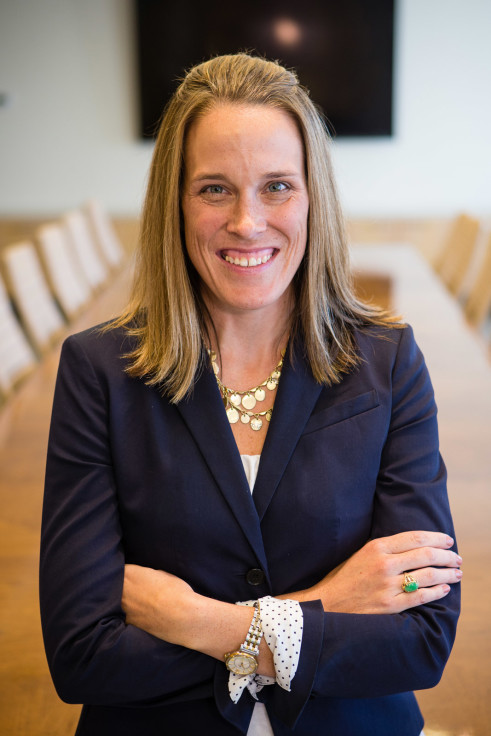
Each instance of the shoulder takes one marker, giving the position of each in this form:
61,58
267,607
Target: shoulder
391,357
387,356
100,339
100,349
373,338
386,346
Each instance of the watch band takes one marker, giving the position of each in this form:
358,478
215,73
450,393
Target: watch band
244,661
254,635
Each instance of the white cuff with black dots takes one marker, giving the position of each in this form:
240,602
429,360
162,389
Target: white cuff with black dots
282,624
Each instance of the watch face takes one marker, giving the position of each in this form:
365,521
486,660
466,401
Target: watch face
241,663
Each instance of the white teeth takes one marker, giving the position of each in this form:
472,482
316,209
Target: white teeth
247,263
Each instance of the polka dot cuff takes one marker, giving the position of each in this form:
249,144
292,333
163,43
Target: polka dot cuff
282,624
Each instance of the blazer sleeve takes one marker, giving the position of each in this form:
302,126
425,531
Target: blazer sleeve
94,657
371,655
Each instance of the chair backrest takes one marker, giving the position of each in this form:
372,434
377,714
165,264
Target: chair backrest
104,234
457,251
40,317
17,358
65,277
80,239
478,302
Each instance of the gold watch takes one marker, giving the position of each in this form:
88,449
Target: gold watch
244,660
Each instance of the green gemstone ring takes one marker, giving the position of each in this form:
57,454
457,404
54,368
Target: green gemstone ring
409,584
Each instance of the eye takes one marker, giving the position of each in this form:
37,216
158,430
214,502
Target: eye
213,189
277,186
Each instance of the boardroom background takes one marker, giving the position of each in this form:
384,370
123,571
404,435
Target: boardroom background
69,131
69,118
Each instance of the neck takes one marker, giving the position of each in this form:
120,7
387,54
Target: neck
249,340
249,343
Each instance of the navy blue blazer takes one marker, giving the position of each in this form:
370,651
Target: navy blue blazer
132,478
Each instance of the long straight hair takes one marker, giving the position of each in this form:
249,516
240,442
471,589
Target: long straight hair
166,312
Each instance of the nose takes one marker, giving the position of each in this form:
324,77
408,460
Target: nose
246,218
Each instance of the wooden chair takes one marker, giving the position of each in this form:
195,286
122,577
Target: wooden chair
65,277
80,238
478,303
17,358
454,258
25,280
104,234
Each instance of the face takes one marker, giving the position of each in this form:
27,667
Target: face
245,205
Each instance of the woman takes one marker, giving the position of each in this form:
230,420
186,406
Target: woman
244,352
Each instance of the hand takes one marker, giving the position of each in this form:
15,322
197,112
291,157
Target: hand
371,580
156,601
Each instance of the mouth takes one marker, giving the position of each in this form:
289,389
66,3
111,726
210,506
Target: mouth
248,260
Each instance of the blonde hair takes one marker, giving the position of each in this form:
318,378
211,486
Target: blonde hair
166,312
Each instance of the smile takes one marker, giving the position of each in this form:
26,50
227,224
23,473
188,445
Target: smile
247,261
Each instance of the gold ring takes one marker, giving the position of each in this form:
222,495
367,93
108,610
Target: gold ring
409,584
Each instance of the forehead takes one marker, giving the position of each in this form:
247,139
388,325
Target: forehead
243,131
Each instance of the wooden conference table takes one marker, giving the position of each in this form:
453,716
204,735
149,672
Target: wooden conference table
460,705
461,374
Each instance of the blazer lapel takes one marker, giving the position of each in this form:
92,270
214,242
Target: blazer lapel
297,395
207,422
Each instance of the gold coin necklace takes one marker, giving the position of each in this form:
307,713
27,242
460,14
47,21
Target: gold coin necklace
241,404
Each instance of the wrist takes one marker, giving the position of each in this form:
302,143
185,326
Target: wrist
245,660
214,627
301,596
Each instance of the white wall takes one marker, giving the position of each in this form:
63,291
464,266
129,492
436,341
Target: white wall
70,128
439,160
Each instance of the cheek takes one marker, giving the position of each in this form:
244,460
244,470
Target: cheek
199,237
193,237
298,239
295,223
200,229
298,235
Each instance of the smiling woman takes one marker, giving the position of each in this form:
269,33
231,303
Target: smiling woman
245,206
245,464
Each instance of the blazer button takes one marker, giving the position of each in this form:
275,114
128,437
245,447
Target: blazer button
255,576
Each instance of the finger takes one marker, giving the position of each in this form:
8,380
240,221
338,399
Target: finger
426,557
430,576
421,596
406,541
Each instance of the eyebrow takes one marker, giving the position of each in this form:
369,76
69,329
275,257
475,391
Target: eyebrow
281,174
268,175
202,177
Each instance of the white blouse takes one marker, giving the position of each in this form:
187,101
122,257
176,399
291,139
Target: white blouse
282,623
